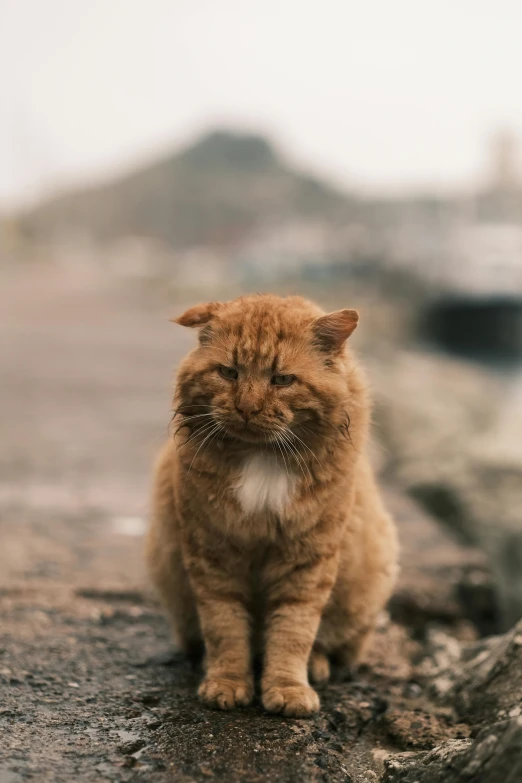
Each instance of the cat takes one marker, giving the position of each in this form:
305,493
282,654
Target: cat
268,532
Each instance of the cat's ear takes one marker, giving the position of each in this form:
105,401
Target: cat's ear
199,315
333,329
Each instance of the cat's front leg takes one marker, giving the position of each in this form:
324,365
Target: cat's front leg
222,603
296,595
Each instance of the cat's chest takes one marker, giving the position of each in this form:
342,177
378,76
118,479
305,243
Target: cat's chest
264,485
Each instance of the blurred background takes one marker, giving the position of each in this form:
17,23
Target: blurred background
155,154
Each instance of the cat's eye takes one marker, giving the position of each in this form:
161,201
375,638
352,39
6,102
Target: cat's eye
227,372
282,380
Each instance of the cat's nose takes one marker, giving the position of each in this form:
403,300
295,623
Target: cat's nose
248,409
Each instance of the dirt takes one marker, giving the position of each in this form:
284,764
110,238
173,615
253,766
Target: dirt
92,689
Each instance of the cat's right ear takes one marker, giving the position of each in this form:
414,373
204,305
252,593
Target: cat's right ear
333,329
199,315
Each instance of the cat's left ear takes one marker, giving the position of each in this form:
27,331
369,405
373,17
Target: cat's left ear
333,329
199,315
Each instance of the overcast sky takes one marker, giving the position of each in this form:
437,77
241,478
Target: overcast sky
380,94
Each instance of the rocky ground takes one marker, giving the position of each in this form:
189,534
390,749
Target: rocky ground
91,687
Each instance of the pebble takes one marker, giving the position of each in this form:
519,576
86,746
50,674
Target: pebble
131,747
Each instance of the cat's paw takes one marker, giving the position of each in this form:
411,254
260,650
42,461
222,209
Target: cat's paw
319,668
226,693
294,701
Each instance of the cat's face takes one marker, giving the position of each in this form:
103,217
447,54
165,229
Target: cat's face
266,367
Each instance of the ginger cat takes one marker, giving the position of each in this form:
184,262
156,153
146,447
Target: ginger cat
268,533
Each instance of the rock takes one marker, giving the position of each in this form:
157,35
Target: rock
129,748
455,449
442,651
441,579
488,680
477,596
482,684
481,681
493,757
418,729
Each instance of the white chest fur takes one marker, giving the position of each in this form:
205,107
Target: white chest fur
264,485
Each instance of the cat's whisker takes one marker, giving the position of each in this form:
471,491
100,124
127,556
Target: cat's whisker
299,456
180,411
211,439
216,428
182,426
162,434
290,432
297,459
200,428
219,340
184,419
199,431
223,349
302,427
283,456
307,429
193,405
339,427
195,416
171,434
165,431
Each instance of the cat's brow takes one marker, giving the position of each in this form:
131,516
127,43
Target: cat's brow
260,367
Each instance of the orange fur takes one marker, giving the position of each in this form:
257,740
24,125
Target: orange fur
267,530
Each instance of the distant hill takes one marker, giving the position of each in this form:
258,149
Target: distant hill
213,192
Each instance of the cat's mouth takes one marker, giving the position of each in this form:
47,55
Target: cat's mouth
252,432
